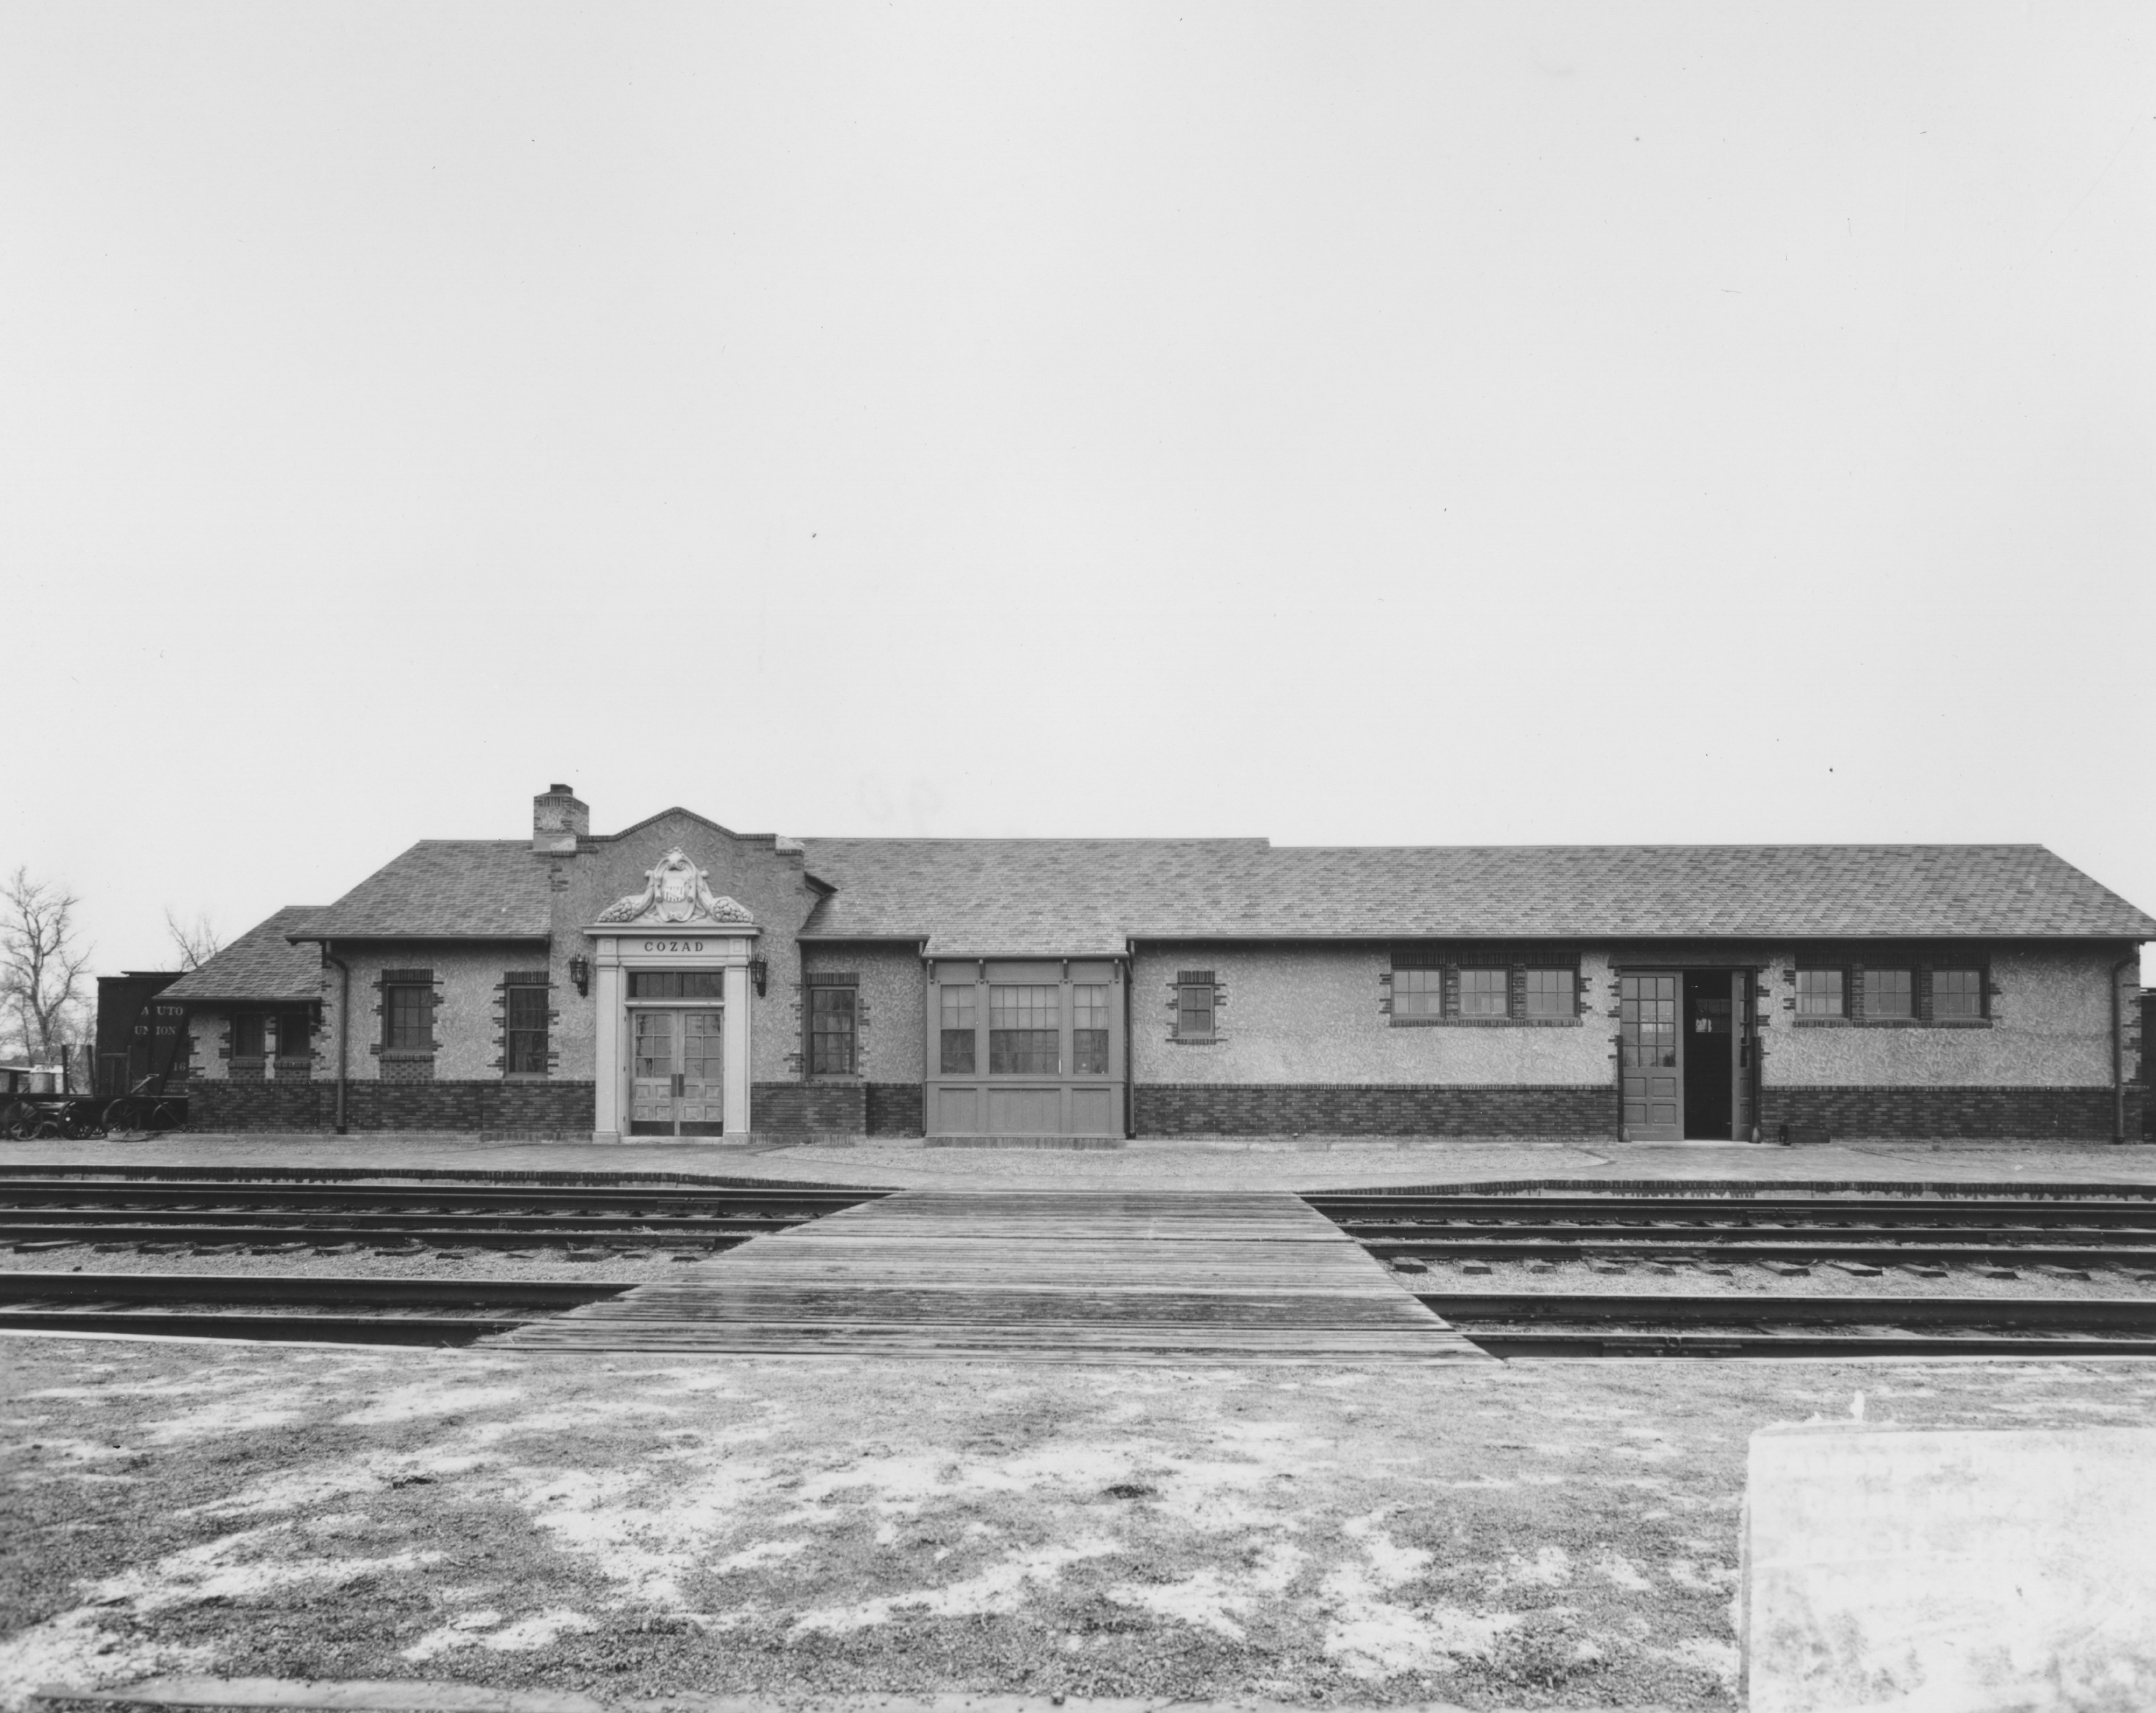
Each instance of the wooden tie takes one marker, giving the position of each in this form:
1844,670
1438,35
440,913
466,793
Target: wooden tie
1068,1276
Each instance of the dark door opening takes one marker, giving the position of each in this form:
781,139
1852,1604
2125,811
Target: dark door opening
1710,1056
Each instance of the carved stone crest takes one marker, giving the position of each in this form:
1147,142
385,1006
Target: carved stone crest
675,891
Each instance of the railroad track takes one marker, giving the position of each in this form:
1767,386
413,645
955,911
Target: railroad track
271,1309
2085,1228
1514,1325
210,1210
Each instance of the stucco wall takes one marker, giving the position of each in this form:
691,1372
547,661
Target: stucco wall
467,1017
1311,1015
2049,1027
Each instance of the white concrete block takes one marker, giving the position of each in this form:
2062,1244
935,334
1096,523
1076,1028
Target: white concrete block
1950,1571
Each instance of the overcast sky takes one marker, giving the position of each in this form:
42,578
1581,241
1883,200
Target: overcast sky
1347,424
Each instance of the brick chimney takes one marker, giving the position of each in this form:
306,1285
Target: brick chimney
558,820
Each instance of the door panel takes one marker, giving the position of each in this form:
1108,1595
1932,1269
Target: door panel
700,1107
677,1073
1650,1049
651,1073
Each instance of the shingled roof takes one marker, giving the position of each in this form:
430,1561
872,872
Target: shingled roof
964,896
446,889
261,966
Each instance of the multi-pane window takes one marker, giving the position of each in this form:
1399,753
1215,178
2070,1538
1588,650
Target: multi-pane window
296,1035
1821,994
1550,993
251,1033
957,1011
1888,993
524,1025
1088,1029
407,1011
1956,994
831,1029
285,1034
1194,1005
1417,993
677,984
1023,1031
1485,993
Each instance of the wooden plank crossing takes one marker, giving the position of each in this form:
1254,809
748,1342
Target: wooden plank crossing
1028,1275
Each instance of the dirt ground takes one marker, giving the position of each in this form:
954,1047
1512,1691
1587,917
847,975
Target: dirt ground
1560,1534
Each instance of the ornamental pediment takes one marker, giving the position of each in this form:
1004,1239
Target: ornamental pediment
675,893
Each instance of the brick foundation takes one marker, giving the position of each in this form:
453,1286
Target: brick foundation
1973,1113
895,1109
1373,1109
799,1108
550,1109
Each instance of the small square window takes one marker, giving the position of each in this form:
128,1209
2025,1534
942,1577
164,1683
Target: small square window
1888,994
1550,993
1821,993
1485,993
1194,1005
1956,994
1417,993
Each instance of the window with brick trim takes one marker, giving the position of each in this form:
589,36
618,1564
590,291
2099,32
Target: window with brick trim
251,1033
1194,1005
1485,993
295,1034
958,1009
1822,992
524,1016
1552,993
1957,996
834,1021
408,1010
1889,994
1417,993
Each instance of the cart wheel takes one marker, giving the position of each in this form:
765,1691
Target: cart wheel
162,1118
48,1129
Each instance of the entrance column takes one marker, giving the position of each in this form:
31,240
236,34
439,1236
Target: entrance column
736,1091
606,1057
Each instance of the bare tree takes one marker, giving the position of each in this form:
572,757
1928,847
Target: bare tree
42,967
196,941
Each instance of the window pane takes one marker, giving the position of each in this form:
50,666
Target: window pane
1819,994
1417,993
958,1051
410,1017
1089,1052
1483,992
1957,993
655,1043
1549,993
831,1030
1022,1007
654,984
1025,1053
1194,1012
957,1004
703,984
1089,1006
525,1048
1888,994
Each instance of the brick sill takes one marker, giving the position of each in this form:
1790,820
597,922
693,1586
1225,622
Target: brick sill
1890,1023
1195,1039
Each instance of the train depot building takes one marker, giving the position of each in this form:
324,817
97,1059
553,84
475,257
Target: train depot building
677,979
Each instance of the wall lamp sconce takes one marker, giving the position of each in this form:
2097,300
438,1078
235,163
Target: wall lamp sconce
580,972
759,970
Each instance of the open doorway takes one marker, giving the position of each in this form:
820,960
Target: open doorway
1710,1056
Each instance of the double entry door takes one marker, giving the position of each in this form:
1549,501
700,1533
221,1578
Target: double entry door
676,1072
1687,1054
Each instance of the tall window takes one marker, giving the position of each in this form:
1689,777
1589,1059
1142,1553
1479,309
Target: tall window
1485,993
408,1010
1550,993
1088,1029
1417,993
1820,993
1956,994
1194,1005
831,1029
252,1034
523,1017
1888,993
1023,1031
957,1012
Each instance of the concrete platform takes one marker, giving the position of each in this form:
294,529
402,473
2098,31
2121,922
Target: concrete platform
1289,1163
